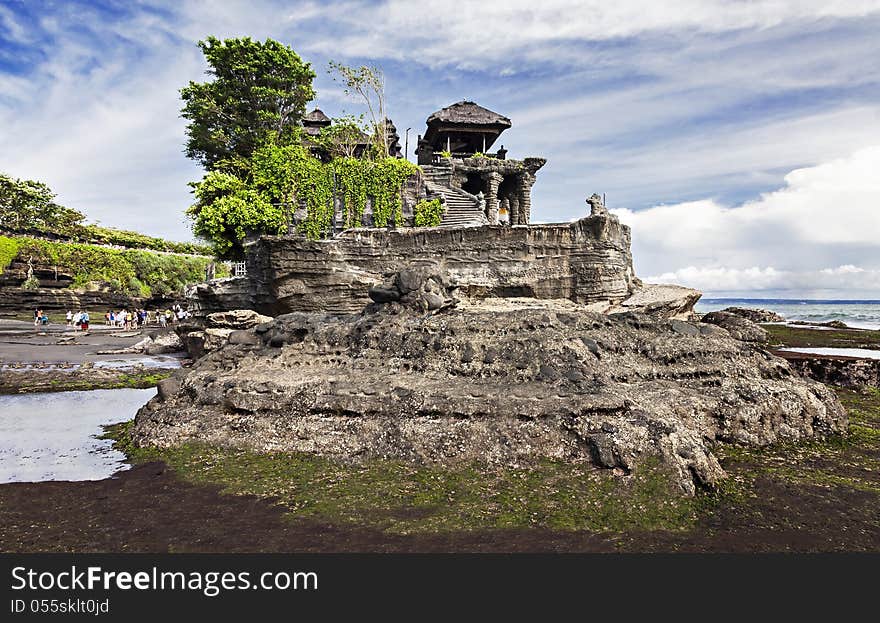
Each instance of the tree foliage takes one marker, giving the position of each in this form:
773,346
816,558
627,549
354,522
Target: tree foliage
428,213
259,90
281,179
27,204
227,210
342,138
367,84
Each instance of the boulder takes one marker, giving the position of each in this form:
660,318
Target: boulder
755,315
423,287
235,319
661,301
738,327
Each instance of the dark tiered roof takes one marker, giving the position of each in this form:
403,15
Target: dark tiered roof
316,117
468,113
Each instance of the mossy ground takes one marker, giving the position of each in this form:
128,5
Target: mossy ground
40,382
404,498
401,498
788,335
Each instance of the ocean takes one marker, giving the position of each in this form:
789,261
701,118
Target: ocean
860,314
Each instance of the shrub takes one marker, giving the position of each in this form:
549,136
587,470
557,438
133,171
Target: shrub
428,213
8,251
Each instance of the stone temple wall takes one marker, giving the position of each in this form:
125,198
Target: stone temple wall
585,261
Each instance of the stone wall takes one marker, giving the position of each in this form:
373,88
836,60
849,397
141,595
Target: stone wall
585,261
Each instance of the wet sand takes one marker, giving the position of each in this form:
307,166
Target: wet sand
58,358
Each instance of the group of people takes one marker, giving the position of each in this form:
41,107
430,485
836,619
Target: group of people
124,319
138,318
40,317
80,320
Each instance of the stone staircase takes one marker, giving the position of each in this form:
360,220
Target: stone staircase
462,208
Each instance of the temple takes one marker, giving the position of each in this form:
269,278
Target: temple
477,187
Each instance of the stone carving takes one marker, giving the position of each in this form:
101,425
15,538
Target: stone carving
419,287
597,205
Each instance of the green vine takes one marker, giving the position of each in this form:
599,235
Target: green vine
428,213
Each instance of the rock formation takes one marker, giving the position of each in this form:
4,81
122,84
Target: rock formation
755,315
587,261
854,372
738,326
500,381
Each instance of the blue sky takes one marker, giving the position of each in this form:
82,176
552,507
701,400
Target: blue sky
741,140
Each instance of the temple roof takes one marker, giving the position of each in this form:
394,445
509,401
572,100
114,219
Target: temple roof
468,113
316,117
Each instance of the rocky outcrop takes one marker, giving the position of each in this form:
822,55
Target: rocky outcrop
505,385
755,315
420,287
587,261
157,343
205,335
737,326
854,372
661,301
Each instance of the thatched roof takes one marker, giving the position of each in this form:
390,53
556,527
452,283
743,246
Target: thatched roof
468,113
316,117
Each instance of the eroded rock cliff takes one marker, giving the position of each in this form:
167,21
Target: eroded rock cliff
586,261
503,382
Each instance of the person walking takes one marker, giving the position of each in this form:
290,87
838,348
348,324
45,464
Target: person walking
69,316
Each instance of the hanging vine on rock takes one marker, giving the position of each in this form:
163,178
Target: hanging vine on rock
281,179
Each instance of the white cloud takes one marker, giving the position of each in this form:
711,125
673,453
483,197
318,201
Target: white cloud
841,282
784,239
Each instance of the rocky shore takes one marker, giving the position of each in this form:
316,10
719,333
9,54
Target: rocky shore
58,358
502,382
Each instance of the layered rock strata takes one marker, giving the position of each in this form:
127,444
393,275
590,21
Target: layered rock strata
587,261
505,384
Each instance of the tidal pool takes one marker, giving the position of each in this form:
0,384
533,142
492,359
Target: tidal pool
54,436
864,353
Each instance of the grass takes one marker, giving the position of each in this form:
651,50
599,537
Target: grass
787,335
404,498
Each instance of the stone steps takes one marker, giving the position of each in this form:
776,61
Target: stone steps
462,210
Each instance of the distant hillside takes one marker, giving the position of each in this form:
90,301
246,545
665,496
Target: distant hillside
28,208
30,264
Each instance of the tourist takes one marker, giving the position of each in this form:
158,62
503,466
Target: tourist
84,320
69,317
163,321
36,317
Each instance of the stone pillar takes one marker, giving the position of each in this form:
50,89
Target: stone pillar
524,184
492,181
514,209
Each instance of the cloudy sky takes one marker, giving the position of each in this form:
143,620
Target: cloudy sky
740,139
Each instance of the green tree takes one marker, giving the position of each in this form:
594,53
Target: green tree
259,91
367,84
342,138
228,209
30,205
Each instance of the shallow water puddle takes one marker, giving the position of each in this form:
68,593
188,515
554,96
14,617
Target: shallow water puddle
54,436
864,353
